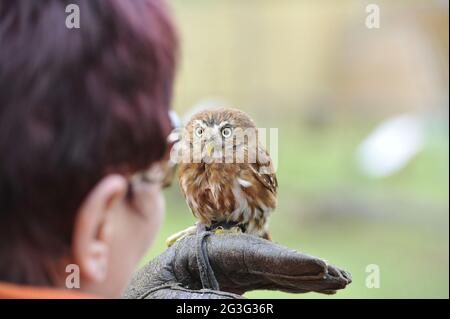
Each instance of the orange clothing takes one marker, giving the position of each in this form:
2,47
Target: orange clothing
13,291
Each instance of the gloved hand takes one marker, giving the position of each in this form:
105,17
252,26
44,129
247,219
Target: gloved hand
208,266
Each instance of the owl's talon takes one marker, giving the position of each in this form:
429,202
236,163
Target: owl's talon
172,239
222,231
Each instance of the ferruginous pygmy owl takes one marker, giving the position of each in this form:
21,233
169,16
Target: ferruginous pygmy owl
225,174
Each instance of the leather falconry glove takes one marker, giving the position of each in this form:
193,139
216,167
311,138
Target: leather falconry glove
208,266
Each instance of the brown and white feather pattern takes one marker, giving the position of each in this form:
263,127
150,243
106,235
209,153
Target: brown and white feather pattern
230,192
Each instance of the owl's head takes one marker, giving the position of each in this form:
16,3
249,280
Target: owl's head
217,135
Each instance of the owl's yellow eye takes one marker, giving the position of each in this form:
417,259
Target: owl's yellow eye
226,132
198,131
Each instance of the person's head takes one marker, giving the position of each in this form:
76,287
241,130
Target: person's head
82,111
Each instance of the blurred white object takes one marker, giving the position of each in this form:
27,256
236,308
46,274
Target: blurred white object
392,145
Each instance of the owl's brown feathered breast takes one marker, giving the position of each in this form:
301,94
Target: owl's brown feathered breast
228,193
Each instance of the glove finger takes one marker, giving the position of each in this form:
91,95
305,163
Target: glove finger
242,263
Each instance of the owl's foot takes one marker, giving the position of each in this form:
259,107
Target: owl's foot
267,235
223,231
180,235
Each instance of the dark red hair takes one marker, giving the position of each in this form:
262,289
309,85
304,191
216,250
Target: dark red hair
75,104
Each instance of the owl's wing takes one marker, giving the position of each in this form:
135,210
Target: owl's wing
263,170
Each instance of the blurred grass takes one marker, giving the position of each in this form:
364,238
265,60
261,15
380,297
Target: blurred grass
410,246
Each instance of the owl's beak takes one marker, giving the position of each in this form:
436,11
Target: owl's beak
209,149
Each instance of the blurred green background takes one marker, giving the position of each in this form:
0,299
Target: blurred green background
314,70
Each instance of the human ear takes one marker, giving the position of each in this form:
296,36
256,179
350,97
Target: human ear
92,232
